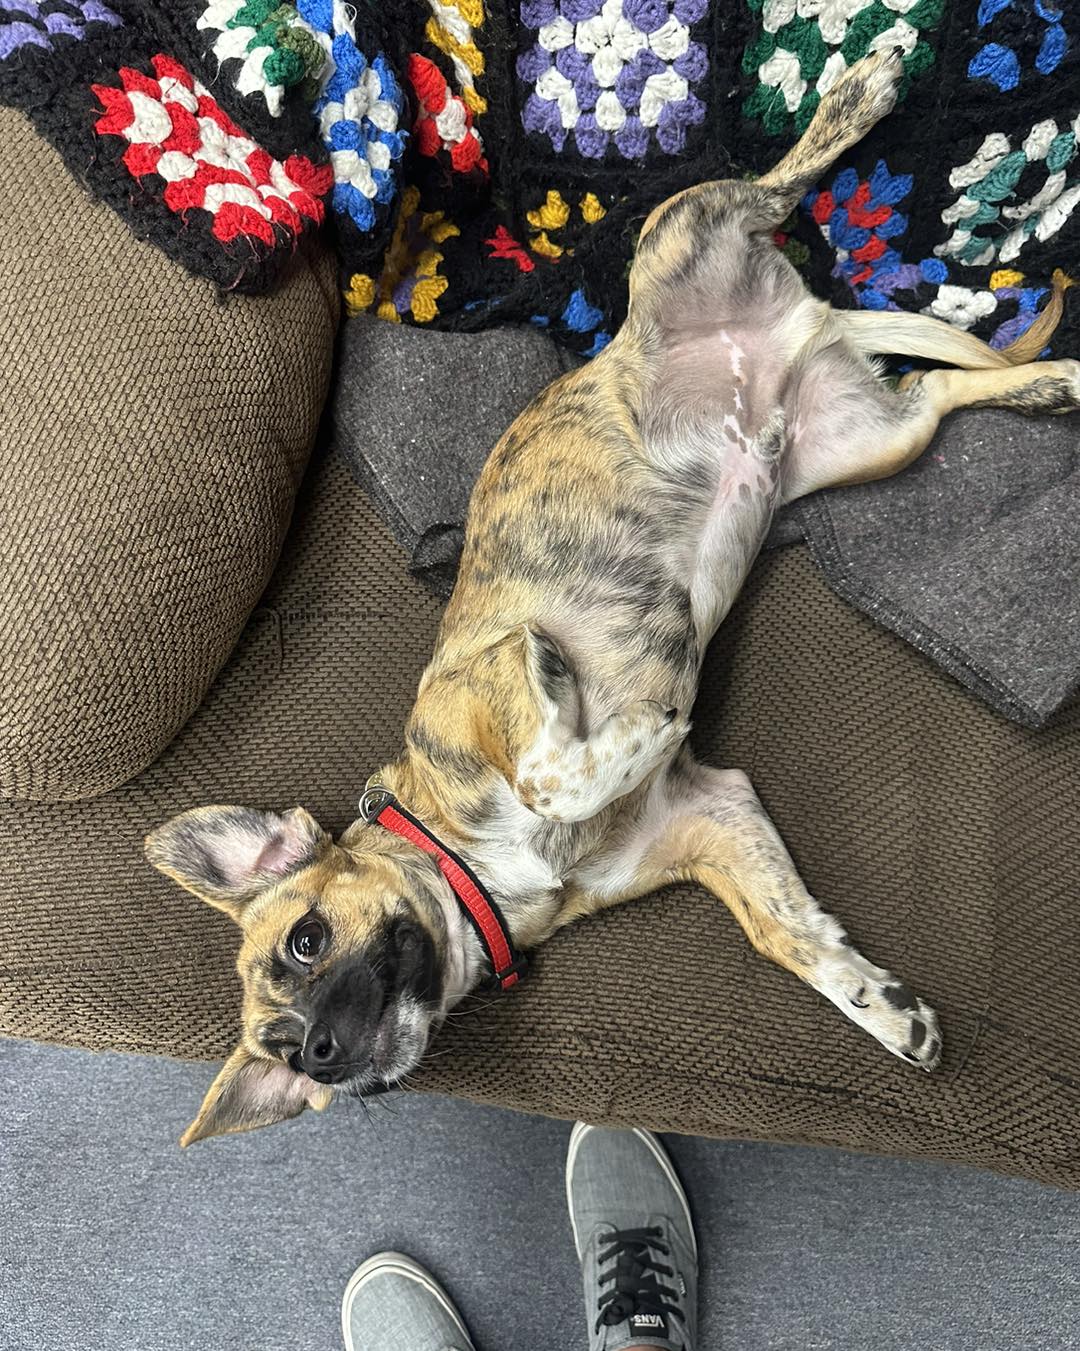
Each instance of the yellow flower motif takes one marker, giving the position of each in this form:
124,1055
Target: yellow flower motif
424,295
361,293
554,214
410,275
438,228
1006,276
546,248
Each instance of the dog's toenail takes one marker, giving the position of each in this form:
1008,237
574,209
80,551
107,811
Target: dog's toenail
918,1033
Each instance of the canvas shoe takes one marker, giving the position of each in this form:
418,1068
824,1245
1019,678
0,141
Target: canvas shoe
635,1240
392,1304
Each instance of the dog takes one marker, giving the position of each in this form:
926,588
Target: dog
545,773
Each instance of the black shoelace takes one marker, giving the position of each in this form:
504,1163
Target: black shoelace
633,1277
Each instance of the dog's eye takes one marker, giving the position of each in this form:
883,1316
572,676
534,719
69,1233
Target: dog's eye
307,940
406,938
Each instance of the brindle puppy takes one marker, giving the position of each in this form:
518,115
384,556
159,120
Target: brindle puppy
607,537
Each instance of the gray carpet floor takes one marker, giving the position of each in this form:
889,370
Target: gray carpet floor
112,1239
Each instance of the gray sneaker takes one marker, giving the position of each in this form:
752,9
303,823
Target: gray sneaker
392,1304
634,1238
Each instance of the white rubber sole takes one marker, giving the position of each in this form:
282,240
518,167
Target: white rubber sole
399,1265
581,1129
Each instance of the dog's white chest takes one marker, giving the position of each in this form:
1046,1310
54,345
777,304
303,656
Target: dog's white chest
505,850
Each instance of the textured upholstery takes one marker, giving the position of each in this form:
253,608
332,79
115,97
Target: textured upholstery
153,438
941,834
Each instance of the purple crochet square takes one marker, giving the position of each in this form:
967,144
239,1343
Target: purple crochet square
22,23
613,73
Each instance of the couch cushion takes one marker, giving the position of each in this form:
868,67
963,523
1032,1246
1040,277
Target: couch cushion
942,835
153,438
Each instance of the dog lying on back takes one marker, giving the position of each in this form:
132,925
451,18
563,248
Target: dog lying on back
607,537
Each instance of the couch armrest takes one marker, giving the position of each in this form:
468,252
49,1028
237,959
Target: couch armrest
153,440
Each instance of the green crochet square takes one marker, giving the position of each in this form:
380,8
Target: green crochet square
792,52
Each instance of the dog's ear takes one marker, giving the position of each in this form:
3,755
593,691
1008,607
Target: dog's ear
227,855
251,1092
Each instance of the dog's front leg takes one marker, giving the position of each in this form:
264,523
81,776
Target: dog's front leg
564,777
708,826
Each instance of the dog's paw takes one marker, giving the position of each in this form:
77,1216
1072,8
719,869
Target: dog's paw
643,735
883,1005
879,76
575,780
1067,399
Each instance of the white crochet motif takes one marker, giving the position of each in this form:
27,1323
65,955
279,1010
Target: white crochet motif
960,306
363,102
613,41
232,44
453,22
833,16
783,70
988,181
260,192
992,151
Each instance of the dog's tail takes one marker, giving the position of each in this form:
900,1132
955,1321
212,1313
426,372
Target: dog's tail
917,335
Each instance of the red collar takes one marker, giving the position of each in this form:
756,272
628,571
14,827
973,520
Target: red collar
378,805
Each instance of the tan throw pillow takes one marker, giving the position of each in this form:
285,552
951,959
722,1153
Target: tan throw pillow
153,437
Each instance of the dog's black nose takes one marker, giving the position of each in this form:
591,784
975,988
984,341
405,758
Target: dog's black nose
323,1058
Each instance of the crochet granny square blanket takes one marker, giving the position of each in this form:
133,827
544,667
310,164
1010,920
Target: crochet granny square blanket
483,161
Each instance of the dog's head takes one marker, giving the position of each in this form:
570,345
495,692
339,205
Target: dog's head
343,959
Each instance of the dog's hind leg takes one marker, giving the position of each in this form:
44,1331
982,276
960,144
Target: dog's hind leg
862,96
713,240
708,826
848,426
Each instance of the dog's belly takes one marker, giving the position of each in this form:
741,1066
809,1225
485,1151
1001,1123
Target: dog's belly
622,511
719,514
713,438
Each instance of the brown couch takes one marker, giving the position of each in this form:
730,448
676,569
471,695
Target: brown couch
151,462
